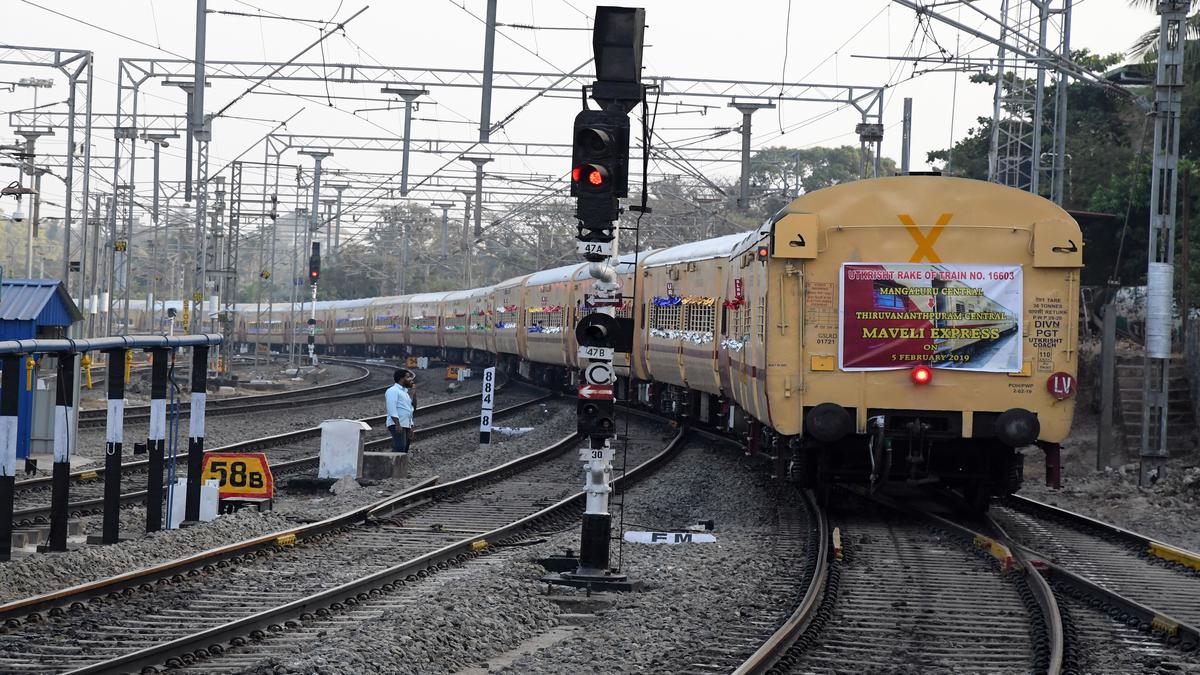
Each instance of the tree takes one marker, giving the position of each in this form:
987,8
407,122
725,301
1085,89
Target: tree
781,174
1145,44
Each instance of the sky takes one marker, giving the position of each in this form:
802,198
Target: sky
807,41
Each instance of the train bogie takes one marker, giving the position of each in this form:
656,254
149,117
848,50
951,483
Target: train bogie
973,284
388,320
683,294
548,315
507,300
456,319
350,322
425,321
480,338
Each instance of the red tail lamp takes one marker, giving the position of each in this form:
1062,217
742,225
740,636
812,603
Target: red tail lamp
921,374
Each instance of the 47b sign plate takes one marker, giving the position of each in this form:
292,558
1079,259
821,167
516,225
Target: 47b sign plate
240,474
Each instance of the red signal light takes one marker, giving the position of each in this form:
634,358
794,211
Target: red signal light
590,176
763,252
921,374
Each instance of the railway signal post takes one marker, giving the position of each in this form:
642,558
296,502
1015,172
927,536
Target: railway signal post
314,273
599,178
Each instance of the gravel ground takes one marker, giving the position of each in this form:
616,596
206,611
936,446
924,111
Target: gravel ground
1166,511
448,456
695,593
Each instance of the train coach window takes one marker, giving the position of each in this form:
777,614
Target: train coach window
761,310
699,318
665,317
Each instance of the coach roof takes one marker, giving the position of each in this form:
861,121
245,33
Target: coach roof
720,247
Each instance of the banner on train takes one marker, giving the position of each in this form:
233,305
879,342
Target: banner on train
898,315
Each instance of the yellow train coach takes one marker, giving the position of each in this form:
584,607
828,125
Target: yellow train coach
917,328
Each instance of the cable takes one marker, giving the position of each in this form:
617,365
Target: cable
154,17
340,27
172,437
953,108
463,7
268,16
647,133
787,33
1141,153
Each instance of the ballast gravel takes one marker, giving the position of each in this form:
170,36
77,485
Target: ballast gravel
695,593
447,456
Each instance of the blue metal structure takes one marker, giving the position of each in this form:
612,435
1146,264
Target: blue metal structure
33,309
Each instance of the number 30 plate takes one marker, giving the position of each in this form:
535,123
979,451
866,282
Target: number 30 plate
240,474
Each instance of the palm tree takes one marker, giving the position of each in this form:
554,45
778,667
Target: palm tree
1144,46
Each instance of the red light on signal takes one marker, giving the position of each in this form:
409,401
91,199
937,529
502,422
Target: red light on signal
763,252
921,374
592,177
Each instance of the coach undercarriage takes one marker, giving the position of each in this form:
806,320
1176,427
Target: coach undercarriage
905,448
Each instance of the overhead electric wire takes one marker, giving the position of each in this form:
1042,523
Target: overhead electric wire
276,17
340,26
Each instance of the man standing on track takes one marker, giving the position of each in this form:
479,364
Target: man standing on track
399,405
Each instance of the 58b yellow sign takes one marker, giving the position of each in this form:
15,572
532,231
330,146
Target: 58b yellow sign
240,474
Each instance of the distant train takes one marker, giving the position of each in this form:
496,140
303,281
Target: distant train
916,328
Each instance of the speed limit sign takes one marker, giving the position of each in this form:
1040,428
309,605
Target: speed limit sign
487,400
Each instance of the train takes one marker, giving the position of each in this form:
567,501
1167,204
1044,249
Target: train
914,329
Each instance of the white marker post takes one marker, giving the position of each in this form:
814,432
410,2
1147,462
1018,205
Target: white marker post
486,401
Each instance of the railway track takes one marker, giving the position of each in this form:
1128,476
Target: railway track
223,609
912,592
87,478
1140,583
801,535
290,453
369,381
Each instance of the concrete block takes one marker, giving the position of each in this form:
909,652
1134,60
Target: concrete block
31,536
209,499
384,465
342,448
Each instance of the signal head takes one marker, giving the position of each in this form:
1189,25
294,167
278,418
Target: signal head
594,140
591,178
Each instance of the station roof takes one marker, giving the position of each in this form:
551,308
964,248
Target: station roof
43,301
